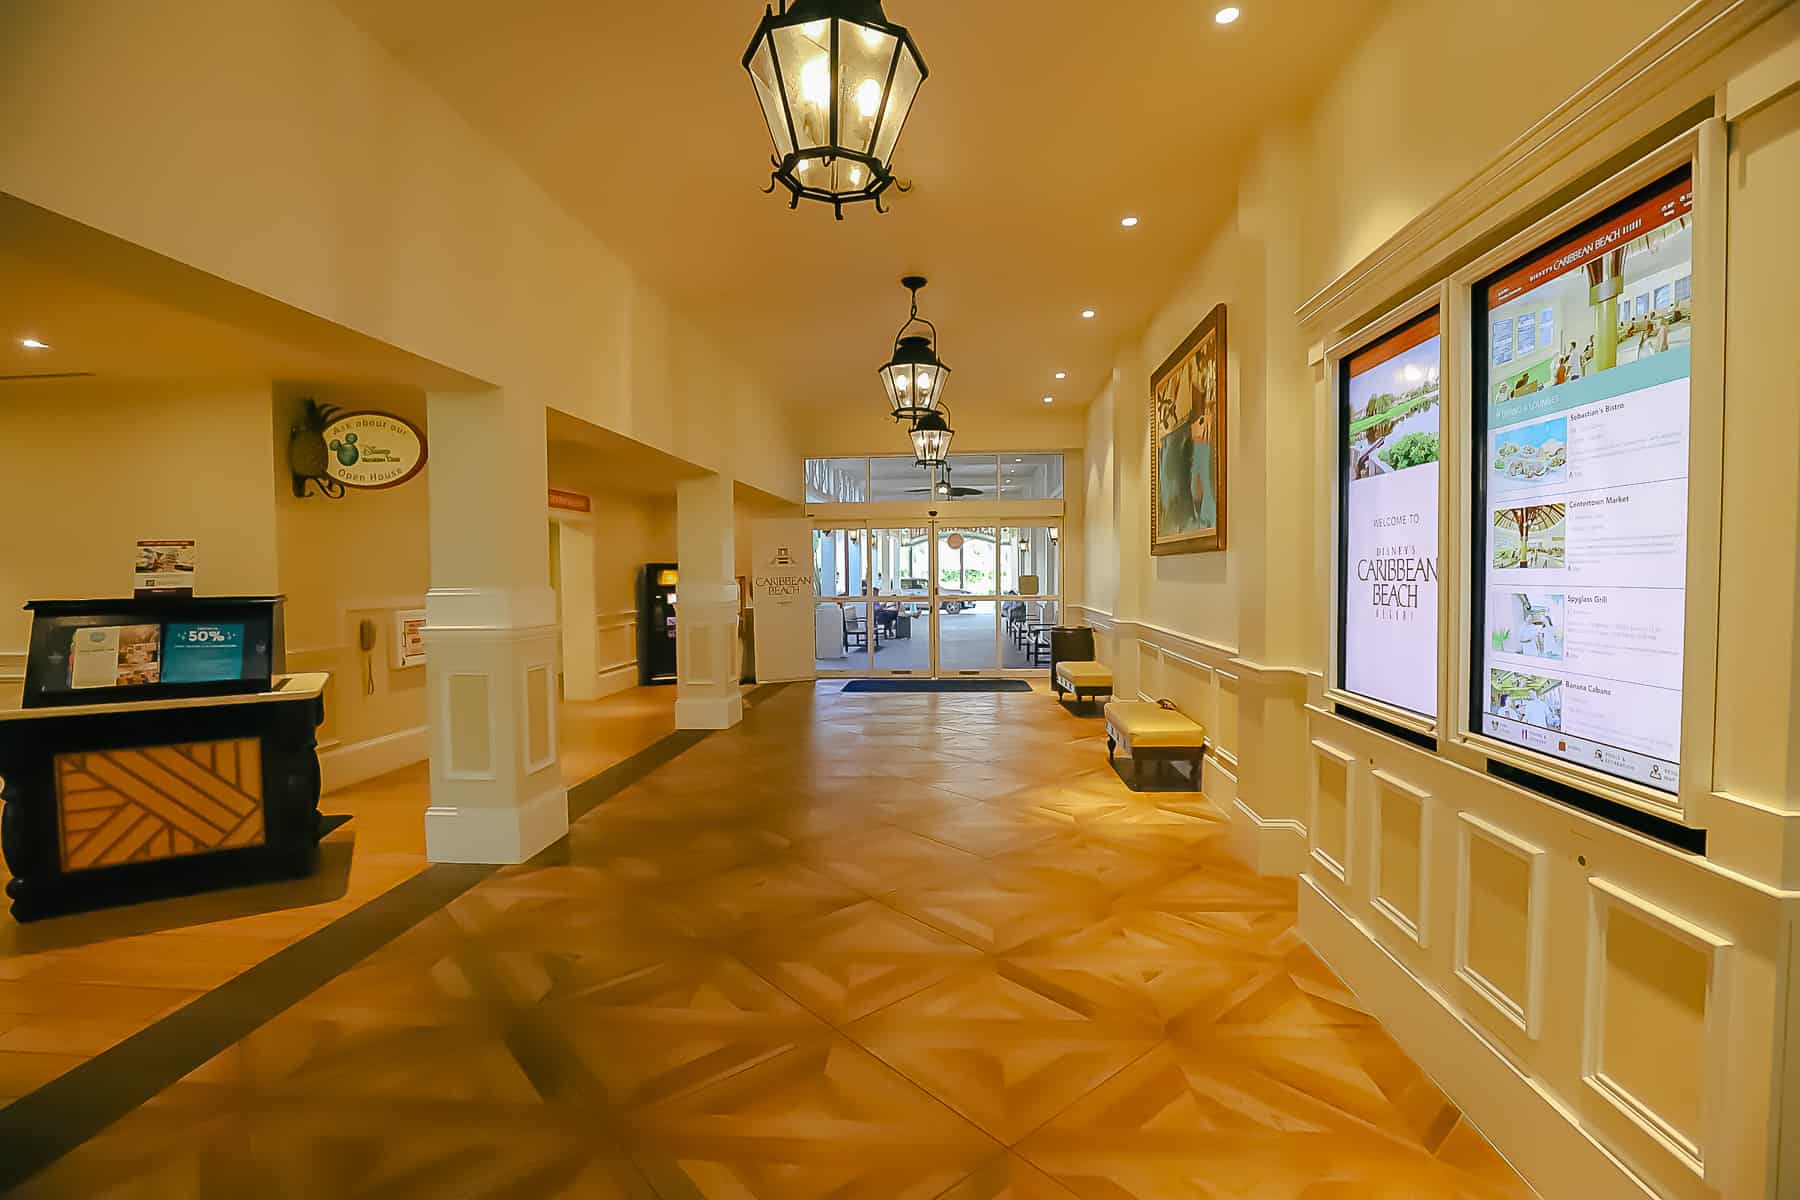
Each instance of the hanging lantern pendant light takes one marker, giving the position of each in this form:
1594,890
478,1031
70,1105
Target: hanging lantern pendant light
914,378
836,80
931,435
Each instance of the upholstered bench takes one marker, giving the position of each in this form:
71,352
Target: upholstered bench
1152,733
1083,680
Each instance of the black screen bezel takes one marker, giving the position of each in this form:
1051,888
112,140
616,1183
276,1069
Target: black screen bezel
53,622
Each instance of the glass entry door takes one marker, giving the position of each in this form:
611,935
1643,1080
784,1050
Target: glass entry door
934,599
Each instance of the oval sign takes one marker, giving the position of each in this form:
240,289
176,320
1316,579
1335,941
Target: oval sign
373,450
954,541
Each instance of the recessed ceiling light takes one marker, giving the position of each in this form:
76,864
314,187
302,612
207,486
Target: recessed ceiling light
1018,460
1062,374
1226,16
1129,222
1087,314
1049,399
32,344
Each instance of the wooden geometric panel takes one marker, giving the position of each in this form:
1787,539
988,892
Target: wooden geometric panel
154,802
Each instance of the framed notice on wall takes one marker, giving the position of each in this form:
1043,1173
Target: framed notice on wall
1390,422
1580,457
409,637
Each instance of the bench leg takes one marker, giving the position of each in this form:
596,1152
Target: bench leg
1199,762
1110,747
1137,772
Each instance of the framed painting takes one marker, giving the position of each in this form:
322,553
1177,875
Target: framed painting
1188,443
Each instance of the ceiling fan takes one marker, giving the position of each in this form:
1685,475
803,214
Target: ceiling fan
945,488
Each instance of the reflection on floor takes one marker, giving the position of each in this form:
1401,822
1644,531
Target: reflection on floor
72,987
861,946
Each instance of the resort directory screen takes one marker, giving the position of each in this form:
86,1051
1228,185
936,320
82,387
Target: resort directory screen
1387,586
1581,465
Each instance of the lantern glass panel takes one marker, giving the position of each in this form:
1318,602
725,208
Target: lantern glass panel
762,73
849,175
804,51
864,56
896,381
929,382
907,77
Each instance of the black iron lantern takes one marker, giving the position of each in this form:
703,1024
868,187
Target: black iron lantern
914,378
836,80
931,435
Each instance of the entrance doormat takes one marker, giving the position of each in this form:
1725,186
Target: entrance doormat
938,685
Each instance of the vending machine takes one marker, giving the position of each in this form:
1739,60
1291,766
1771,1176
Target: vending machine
656,623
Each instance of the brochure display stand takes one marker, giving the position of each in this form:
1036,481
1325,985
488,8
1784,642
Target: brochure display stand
159,750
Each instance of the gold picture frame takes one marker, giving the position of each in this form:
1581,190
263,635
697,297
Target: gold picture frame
1189,449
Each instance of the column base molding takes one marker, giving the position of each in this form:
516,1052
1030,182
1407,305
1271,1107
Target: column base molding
709,712
495,833
1269,846
613,680
350,763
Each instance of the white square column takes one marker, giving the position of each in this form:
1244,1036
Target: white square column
497,794
706,611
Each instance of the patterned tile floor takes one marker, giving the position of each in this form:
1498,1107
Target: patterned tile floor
884,947
74,987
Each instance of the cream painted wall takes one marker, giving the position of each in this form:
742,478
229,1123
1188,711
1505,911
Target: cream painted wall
1099,521
1314,196
1692,952
629,532
341,562
127,460
375,207
861,426
90,467
1433,93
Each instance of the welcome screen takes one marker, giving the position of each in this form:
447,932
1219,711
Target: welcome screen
1389,590
1584,465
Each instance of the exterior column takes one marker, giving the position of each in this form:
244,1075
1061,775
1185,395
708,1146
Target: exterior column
580,614
707,694
496,789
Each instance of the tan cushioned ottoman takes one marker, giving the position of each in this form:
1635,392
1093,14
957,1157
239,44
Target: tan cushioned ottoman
1083,675
1141,724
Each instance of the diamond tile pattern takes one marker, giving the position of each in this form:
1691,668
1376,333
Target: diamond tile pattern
861,947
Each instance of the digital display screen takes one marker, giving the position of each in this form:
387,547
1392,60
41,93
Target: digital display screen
1581,491
1388,480
203,653
107,656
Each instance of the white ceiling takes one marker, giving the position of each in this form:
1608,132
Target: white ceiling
1040,126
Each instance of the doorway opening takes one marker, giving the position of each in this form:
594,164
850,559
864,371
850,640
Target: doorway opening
935,599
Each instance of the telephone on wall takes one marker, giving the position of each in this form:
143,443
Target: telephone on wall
365,642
